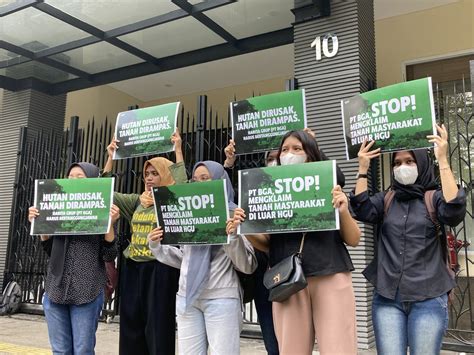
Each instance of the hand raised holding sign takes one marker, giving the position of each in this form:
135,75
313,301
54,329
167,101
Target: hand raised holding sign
156,235
32,213
229,154
339,199
365,155
178,143
350,231
114,216
239,216
441,143
448,182
114,213
230,227
111,148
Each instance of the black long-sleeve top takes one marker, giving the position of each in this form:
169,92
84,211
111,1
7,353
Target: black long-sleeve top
409,256
83,276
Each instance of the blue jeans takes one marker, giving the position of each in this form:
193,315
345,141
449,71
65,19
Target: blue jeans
417,325
213,323
72,328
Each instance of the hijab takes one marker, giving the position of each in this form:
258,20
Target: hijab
162,166
218,172
61,242
201,255
424,182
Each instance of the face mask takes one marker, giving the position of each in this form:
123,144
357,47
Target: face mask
272,163
405,175
290,159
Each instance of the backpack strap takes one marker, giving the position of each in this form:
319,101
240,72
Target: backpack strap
430,207
441,232
387,201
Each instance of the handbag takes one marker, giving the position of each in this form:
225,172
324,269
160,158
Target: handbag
286,277
111,274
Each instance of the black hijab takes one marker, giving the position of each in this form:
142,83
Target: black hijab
61,242
424,182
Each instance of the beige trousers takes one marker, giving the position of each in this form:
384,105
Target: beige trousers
324,310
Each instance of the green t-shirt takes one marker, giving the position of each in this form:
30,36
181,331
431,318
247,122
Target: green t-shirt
142,220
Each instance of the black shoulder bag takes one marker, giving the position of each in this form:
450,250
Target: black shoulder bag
286,277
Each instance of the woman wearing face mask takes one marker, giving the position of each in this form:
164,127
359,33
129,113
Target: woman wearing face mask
208,304
326,308
409,272
262,305
148,287
75,280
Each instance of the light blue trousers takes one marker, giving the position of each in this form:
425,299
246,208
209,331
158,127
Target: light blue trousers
210,324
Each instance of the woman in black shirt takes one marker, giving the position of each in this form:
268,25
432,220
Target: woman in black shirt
325,309
75,280
409,272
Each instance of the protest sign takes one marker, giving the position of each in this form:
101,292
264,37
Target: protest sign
193,213
288,198
146,131
73,206
396,117
258,123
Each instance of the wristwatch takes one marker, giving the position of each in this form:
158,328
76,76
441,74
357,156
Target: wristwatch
361,176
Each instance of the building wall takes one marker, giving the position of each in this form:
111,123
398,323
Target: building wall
220,98
438,32
105,101
99,102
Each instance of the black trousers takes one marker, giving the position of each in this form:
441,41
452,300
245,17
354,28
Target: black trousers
147,308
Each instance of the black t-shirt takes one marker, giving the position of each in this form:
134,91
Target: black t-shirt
324,253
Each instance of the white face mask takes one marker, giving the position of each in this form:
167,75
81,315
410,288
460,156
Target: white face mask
290,159
405,174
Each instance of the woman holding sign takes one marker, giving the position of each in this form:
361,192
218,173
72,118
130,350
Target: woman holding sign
76,278
409,272
148,287
208,304
325,309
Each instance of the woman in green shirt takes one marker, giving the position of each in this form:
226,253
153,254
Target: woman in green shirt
148,287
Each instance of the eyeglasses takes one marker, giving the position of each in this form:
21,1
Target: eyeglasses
201,178
151,173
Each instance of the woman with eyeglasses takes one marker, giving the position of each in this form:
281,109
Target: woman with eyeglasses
148,287
208,304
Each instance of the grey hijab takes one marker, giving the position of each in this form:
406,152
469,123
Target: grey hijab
201,256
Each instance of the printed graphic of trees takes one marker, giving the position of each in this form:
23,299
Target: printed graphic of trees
243,107
355,105
49,227
259,179
164,197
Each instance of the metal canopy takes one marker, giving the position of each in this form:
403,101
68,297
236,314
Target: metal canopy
57,46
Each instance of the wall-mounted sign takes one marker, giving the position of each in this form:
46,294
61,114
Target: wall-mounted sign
321,46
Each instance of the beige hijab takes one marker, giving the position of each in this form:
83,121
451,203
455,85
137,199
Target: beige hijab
162,166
